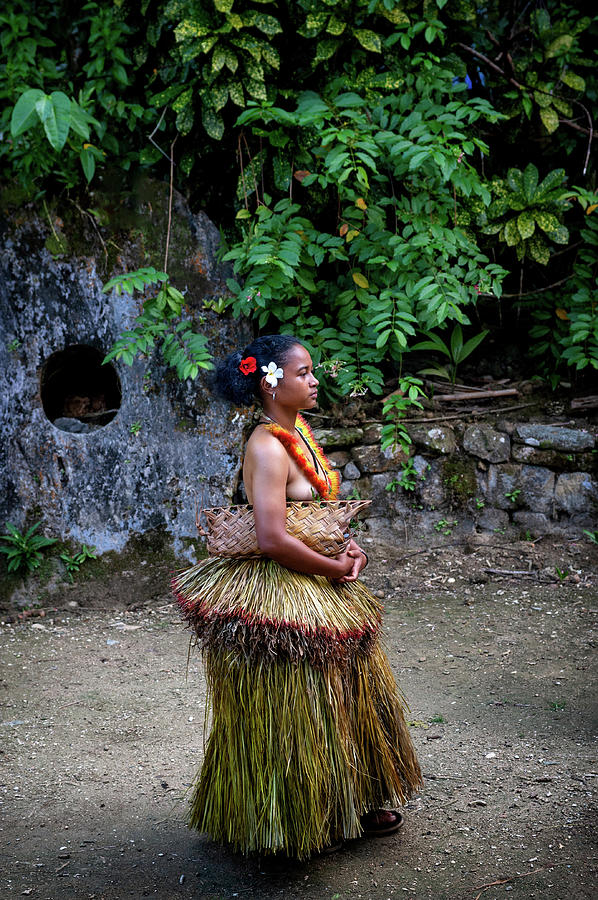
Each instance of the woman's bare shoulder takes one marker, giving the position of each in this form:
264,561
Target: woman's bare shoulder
263,442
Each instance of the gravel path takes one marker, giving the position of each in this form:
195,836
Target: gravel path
101,732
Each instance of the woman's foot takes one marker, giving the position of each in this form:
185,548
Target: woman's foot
381,822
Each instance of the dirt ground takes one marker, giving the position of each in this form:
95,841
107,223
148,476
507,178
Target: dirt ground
102,725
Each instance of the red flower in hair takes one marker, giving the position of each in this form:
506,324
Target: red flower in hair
248,366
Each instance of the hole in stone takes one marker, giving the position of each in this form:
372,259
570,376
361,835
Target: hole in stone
78,393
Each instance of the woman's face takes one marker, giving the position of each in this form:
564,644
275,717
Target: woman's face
297,388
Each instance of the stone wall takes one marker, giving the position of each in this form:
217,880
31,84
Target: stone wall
524,479
94,475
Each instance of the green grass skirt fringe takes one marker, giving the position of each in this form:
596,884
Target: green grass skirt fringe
303,740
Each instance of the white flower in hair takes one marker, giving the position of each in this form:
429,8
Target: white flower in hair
273,373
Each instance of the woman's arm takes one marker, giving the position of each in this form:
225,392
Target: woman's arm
270,468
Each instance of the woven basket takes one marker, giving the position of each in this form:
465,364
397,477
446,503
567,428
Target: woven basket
323,525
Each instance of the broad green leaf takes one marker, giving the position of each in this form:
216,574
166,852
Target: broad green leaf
88,163
561,44
542,98
335,26
575,82
191,28
360,280
185,119
218,58
515,180
546,221
218,95
235,92
212,123
268,24
24,114
550,119
57,119
456,342
472,343
538,250
183,100
525,224
368,39
553,180
530,182
224,6
80,121
560,235
511,233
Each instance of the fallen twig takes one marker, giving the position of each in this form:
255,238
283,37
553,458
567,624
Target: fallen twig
510,572
479,395
484,887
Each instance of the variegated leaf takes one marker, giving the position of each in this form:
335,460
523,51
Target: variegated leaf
550,119
213,124
511,233
538,250
547,221
560,235
526,225
369,40
530,182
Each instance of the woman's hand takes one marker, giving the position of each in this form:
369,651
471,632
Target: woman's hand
346,567
359,562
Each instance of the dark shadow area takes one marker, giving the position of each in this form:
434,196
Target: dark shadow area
77,390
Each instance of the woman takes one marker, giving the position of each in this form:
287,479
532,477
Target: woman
308,735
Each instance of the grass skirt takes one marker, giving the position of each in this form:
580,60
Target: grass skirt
308,730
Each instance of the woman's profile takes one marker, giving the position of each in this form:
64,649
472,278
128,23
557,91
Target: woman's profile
308,737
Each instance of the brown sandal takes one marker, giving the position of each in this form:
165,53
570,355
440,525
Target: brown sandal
372,827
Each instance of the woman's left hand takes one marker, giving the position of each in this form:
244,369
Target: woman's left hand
360,562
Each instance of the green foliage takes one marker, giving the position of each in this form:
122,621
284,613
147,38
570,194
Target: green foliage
566,329
396,406
370,214
159,323
384,187
456,351
445,526
525,213
59,116
23,551
74,562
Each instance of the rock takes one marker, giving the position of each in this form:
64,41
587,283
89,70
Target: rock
381,528
371,459
339,458
430,488
332,438
536,523
553,437
537,489
485,442
372,433
441,439
553,459
500,481
140,471
576,492
73,426
493,519
362,488
351,472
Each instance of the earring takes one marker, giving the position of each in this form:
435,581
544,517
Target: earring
274,395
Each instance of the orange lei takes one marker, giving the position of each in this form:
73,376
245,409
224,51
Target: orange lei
327,488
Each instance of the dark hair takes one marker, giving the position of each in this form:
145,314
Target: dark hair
232,384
